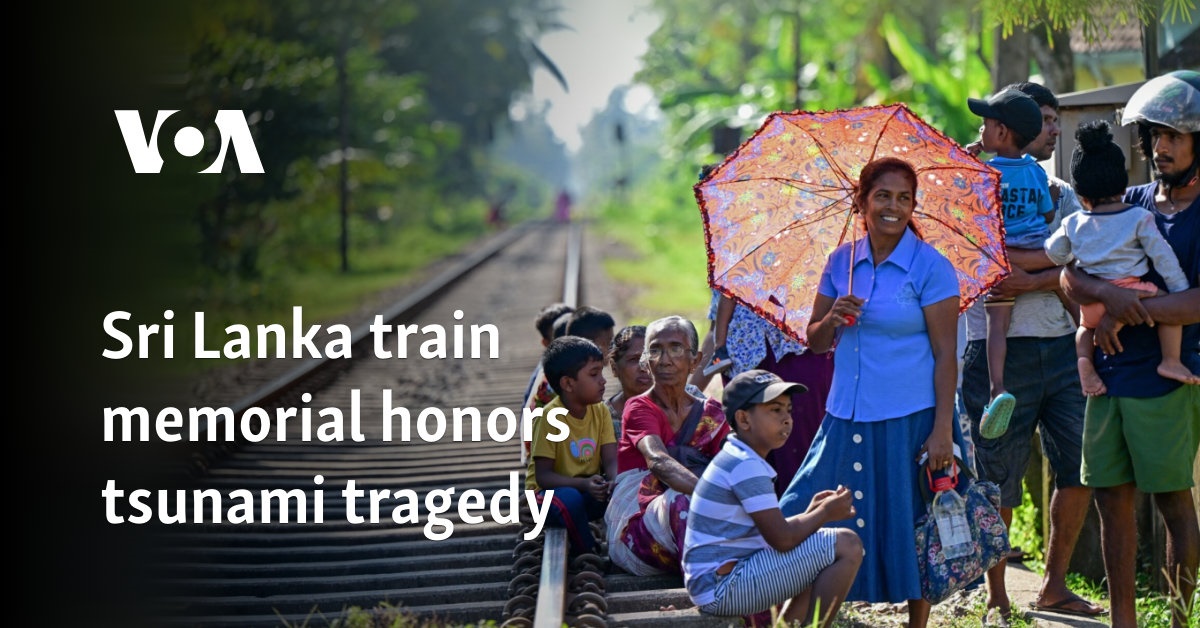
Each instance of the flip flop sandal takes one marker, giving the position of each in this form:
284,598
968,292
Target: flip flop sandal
721,362
1073,605
995,417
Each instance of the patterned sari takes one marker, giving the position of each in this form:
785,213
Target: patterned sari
646,520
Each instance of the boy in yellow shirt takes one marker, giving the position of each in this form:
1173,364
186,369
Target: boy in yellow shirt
574,455
585,321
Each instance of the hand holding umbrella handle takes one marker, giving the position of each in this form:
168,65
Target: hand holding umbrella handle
847,308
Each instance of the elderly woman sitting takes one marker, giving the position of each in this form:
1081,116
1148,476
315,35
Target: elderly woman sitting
667,438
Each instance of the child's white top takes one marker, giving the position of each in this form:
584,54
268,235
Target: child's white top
1116,245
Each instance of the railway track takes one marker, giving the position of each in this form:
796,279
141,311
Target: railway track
293,574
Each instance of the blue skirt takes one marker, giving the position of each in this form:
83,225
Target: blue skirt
877,462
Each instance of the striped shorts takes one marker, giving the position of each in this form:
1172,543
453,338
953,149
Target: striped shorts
768,577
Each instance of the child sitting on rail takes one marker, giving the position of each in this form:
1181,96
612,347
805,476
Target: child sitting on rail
581,467
545,324
741,556
586,322
551,323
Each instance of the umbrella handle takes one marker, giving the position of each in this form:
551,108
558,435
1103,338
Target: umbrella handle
849,320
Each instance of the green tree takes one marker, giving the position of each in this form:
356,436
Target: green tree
479,57
1043,28
1093,17
287,67
369,116
725,64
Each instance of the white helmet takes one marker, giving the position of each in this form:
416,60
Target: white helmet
1172,99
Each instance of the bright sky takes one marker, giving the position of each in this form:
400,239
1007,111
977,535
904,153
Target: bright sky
601,53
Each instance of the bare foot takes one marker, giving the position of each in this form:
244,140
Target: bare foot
1177,371
1090,380
999,612
996,618
668,607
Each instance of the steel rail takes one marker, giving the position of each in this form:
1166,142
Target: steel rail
552,587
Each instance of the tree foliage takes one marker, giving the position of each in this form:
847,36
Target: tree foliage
732,64
1093,17
405,95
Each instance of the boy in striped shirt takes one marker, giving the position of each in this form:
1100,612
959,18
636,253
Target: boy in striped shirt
741,556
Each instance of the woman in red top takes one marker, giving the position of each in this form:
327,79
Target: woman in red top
667,436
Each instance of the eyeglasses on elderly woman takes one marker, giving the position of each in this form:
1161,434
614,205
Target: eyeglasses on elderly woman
673,351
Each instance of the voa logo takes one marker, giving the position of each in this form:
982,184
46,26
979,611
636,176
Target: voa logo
189,141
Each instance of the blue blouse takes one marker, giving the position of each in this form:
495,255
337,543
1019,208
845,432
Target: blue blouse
883,365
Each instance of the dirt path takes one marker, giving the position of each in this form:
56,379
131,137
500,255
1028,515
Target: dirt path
966,608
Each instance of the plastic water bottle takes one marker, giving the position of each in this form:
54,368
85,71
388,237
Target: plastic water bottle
950,513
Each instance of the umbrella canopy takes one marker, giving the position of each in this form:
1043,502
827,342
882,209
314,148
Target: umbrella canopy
782,202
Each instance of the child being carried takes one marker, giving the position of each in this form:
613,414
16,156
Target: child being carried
1115,241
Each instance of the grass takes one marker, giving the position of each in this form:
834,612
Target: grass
964,610
1153,607
662,230
1024,533
383,615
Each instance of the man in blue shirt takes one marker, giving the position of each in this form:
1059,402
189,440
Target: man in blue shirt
1143,434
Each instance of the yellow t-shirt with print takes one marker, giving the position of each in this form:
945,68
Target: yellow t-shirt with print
577,456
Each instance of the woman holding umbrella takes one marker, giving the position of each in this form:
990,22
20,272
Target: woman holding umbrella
888,305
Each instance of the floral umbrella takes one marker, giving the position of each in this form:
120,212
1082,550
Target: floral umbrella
782,202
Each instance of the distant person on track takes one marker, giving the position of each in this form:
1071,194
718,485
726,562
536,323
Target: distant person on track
562,207
496,215
741,556
497,207
625,362
668,436
580,468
